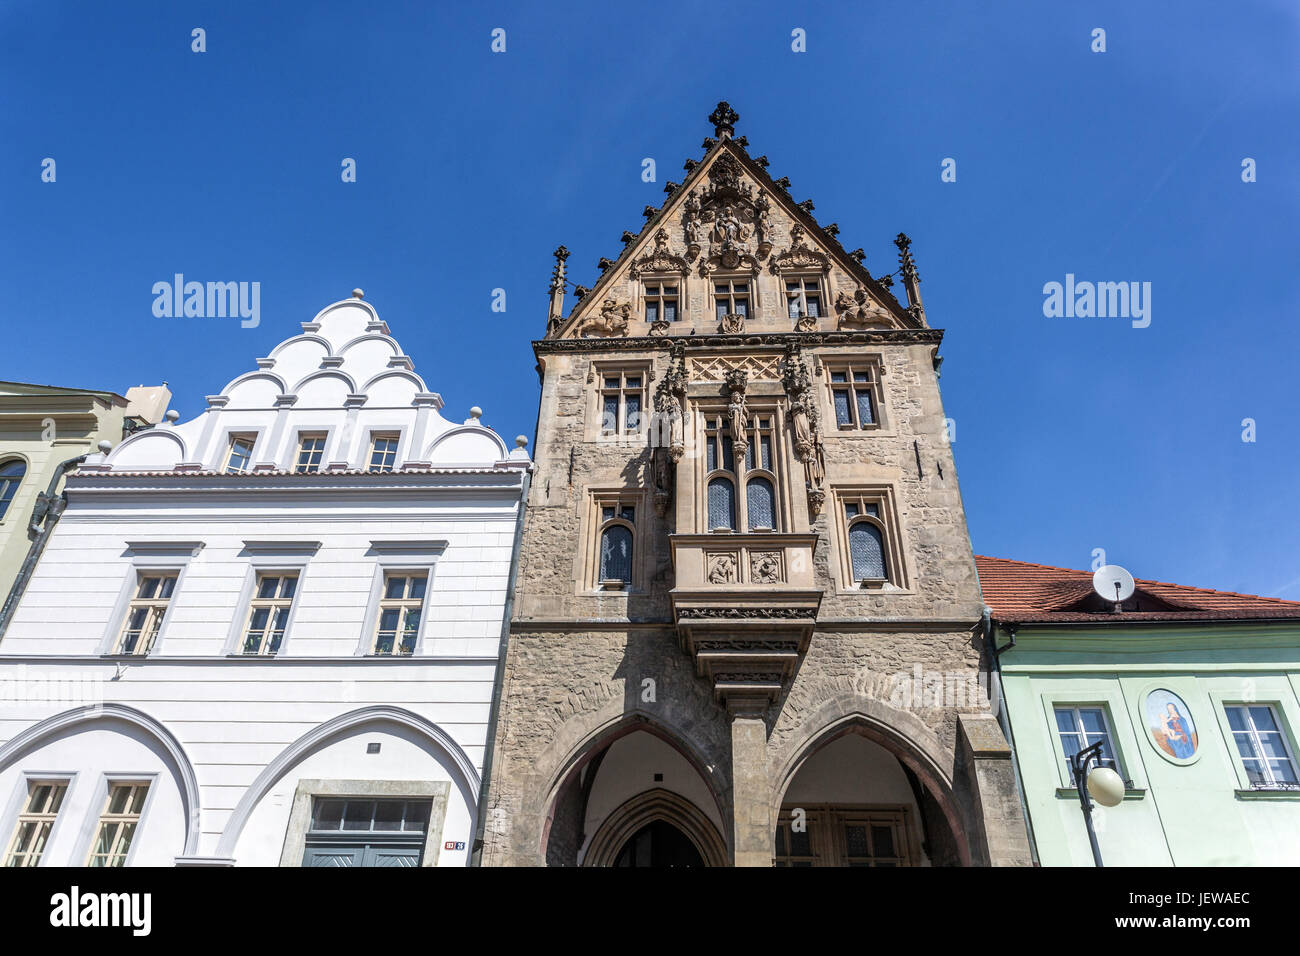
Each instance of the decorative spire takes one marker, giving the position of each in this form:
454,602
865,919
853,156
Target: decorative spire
557,292
911,281
724,120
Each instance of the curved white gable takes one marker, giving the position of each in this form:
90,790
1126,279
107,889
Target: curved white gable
158,449
466,445
343,377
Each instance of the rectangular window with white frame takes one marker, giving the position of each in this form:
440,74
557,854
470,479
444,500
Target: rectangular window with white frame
35,822
383,451
145,612
268,612
311,451
397,626
1079,726
239,454
1262,745
118,823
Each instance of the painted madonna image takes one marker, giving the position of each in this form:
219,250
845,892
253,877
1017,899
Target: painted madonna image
1170,724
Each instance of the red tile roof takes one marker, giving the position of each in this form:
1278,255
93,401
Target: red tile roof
1021,592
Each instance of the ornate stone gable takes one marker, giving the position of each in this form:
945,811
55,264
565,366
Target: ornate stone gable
729,220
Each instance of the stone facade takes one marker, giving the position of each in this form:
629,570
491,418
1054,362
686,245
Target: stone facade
749,649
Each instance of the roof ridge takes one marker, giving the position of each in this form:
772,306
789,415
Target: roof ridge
1146,581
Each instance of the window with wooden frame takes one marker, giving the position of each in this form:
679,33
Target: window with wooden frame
875,836
145,612
397,627
661,300
35,821
268,614
11,476
311,449
118,823
855,392
383,451
732,296
869,537
1262,745
239,454
803,295
622,400
753,479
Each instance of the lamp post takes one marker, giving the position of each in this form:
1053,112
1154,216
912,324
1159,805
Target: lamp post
1102,783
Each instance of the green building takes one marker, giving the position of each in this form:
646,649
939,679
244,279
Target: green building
1195,693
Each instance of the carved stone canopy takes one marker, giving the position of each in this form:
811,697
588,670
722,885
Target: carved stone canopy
661,260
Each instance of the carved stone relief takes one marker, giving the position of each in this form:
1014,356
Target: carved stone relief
765,567
611,321
721,567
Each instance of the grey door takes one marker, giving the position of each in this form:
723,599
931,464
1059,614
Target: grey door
366,832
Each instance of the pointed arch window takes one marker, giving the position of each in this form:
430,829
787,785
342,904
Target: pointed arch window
751,479
11,476
870,538
616,550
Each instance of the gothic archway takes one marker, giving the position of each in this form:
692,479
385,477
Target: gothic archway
651,807
924,820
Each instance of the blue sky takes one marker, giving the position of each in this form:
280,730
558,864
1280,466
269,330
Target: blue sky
1072,433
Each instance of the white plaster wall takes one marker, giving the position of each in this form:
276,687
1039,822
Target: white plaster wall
403,755
91,752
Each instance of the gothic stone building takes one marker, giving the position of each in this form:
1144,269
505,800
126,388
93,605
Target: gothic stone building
743,550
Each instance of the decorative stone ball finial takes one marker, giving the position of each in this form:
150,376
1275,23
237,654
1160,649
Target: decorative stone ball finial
724,120
358,294
476,412
105,447
172,416
521,441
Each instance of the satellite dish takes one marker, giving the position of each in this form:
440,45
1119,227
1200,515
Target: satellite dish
1113,583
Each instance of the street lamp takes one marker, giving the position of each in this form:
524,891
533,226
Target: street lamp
1103,783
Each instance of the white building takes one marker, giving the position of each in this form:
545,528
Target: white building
269,635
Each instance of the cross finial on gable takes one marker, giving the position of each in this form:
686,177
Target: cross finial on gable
724,120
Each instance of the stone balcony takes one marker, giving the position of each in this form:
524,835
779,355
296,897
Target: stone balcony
745,606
